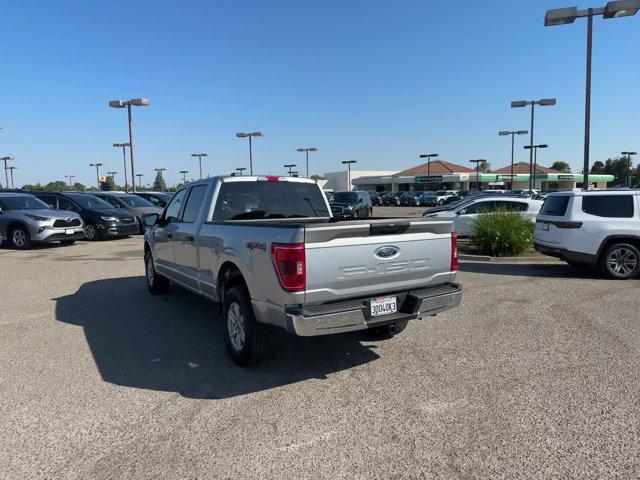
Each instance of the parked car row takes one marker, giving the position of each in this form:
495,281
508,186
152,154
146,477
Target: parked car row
39,216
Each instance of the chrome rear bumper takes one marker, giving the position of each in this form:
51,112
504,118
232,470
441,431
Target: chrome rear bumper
355,315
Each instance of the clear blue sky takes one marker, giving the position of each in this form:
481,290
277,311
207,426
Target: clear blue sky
375,81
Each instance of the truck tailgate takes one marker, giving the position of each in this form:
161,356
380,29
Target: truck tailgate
353,259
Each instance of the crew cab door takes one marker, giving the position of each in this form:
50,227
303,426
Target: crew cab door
184,238
163,233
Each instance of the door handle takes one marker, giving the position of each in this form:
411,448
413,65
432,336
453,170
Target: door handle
169,236
188,239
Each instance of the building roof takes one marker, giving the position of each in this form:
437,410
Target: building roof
437,167
523,168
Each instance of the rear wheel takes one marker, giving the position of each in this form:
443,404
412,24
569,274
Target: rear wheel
620,261
247,341
19,238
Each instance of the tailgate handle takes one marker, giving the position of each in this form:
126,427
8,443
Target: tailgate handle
388,228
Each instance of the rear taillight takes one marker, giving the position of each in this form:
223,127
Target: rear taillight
454,252
289,262
567,224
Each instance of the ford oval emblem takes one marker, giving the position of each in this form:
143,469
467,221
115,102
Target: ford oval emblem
387,251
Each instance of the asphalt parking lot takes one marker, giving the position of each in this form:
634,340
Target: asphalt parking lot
536,374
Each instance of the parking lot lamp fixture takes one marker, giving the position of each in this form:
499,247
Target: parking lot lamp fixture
478,162
429,156
124,161
564,16
544,102
11,169
240,170
306,152
139,175
136,102
535,160
513,133
348,163
200,155
160,170
6,170
70,177
628,155
97,165
290,167
184,175
249,135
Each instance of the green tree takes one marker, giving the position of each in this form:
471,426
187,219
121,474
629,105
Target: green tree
79,187
158,183
561,167
597,168
620,168
485,167
57,186
108,185
317,177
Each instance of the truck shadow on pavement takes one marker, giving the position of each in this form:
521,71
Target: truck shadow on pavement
174,343
557,270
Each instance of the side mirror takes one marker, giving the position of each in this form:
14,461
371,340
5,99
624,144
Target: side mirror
151,220
462,212
360,200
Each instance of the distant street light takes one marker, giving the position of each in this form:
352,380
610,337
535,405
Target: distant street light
249,135
563,16
628,154
97,165
478,162
70,177
429,156
513,133
136,102
11,169
160,170
290,167
306,153
6,170
124,161
348,163
240,170
184,175
113,176
200,155
139,175
535,161
545,102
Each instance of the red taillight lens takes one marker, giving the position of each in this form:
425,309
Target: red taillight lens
289,262
454,252
567,224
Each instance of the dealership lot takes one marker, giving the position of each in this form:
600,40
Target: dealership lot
535,374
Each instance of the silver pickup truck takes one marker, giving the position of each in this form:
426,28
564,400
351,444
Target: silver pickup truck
268,250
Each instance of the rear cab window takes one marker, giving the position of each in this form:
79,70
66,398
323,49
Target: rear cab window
555,206
610,206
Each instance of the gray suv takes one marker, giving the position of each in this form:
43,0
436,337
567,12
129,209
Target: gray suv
25,219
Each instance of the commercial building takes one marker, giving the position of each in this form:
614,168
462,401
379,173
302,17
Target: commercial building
441,175
339,181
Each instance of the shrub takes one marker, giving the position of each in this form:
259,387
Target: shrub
502,233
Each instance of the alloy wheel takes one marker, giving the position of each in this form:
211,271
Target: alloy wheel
18,238
236,326
150,271
90,232
622,262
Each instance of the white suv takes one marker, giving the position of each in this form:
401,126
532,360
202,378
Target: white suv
600,227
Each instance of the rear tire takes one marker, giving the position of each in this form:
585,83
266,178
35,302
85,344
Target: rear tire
247,341
620,261
19,238
156,283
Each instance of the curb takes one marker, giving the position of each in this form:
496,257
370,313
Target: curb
486,258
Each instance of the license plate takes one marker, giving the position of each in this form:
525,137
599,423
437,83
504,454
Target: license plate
384,306
69,231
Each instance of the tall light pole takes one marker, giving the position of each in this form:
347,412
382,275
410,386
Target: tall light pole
137,102
113,176
628,154
513,133
478,162
249,135
290,167
348,163
563,16
240,170
200,155
535,161
70,177
523,103
184,175
159,171
11,169
139,175
429,156
97,165
306,153
124,161
6,171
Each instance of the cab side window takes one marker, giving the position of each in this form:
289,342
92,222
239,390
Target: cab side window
49,200
171,214
110,200
66,204
194,203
